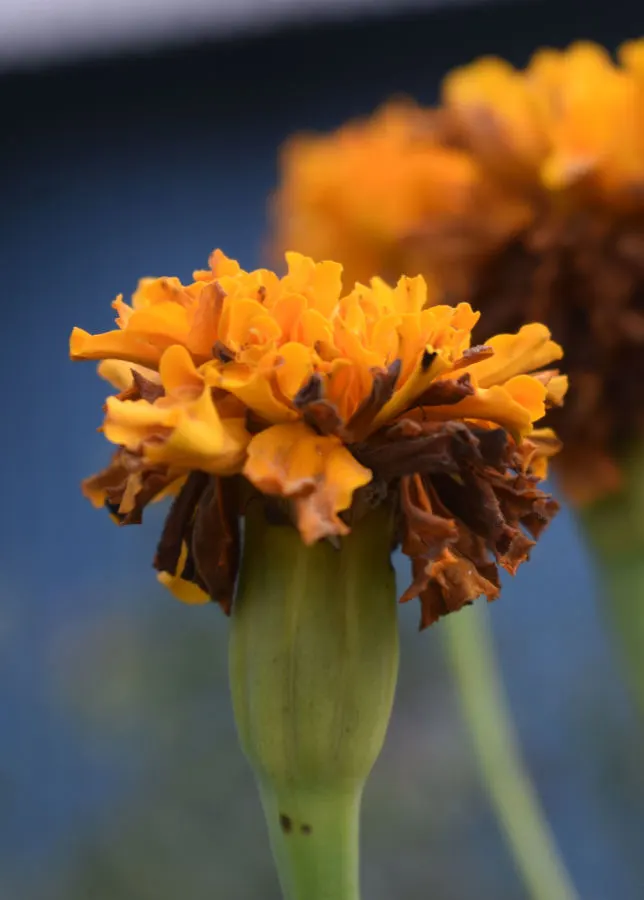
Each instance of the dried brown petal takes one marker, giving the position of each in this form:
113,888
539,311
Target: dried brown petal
146,389
179,522
453,582
446,392
384,385
126,486
215,540
426,534
583,276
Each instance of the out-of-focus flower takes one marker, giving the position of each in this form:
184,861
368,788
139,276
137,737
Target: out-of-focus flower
557,151
325,403
370,193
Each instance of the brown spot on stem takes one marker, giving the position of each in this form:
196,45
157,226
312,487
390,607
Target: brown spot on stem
286,823
306,828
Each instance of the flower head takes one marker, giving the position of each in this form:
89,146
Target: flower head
369,194
325,403
549,225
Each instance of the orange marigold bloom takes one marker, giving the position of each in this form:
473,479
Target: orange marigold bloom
369,193
324,403
549,226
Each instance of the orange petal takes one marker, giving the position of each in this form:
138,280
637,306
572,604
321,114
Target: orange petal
498,405
186,591
500,117
427,368
119,373
631,56
514,354
319,282
318,472
254,389
114,345
204,328
295,366
179,374
189,435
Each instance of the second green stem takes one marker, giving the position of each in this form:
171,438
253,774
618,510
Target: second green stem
473,660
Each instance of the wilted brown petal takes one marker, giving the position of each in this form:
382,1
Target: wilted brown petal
446,392
146,389
127,486
426,534
215,540
453,582
466,508
384,384
583,276
179,522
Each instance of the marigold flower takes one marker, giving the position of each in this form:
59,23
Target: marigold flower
327,403
366,193
557,151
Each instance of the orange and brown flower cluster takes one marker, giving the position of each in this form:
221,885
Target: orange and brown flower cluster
325,403
522,193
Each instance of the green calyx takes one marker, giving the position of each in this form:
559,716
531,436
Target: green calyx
313,666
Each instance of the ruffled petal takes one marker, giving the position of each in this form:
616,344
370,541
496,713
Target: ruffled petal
317,472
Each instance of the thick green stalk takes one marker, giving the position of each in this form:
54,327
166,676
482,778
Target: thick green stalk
313,665
614,529
316,845
506,780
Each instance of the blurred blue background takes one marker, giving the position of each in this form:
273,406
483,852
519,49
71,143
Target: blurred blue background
119,771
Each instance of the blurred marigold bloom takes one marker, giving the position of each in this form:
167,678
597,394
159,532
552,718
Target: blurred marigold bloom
530,206
326,403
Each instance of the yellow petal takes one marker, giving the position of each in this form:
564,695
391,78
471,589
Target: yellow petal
513,409
631,56
204,328
186,591
313,328
253,388
159,291
114,345
320,282
347,384
295,366
427,369
179,374
119,373
165,323
527,350
220,265
541,445
201,439
499,115
410,294
529,393
285,459
184,435
318,472
287,312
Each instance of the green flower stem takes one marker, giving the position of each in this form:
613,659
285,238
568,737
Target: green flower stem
508,784
614,529
313,666
319,860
